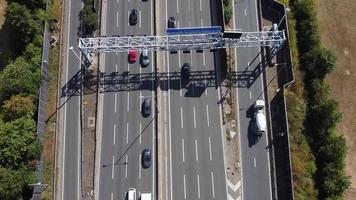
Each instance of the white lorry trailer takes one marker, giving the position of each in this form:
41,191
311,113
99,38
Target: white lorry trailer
146,196
259,117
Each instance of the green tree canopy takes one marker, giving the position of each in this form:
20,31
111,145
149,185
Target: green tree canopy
31,3
319,62
33,53
18,106
22,24
19,77
11,184
18,143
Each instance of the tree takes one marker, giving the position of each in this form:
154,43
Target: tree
19,77
11,184
333,182
33,53
20,19
319,62
31,3
18,143
18,106
90,17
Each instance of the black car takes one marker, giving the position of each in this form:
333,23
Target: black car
146,107
146,158
172,23
133,17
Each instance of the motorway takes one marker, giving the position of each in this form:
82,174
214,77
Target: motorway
125,133
195,163
70,160
256,180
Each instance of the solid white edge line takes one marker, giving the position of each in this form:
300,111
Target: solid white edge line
112,167
200,7
204,58
114,140
198,186
128,17
181,117
196,151
210,156
254,161
177,7
207,115
237,107
195,121
213,184
183,150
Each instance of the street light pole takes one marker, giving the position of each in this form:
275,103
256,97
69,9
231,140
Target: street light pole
76,55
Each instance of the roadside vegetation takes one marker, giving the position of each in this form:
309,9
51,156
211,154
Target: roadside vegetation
90,16
19,85
318,151
227,11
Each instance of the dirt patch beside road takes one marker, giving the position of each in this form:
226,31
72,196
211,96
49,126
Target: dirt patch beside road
338,32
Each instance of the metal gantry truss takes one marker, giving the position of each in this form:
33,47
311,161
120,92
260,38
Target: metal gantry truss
201,41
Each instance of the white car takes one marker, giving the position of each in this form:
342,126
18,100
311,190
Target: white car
145,59
131,195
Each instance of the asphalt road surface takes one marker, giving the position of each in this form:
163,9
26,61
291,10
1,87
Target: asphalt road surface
125,132
70,183
256,181
195,161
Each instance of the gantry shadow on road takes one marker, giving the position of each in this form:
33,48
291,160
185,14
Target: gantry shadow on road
197,83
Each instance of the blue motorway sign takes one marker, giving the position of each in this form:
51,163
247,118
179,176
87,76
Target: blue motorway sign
193,30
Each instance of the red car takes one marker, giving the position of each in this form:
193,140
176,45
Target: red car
132,56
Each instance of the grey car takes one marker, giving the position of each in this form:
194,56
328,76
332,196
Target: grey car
145,59
146,158
146,107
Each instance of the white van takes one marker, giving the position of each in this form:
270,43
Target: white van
131,195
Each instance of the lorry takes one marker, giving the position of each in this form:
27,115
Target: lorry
260,126
146,196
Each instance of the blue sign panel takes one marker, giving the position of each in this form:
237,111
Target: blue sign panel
193,30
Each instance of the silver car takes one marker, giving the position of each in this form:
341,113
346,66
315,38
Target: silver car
145,59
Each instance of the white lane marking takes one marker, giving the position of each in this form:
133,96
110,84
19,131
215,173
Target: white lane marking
212,184
127,133
204,58
232,186
183,150
177,7
211,158
139,166
128,17
189,5
250,95
207,115
112,196
114,141
254,162
195,121
118,1
116,67
140,132
190,23
112,167
180,80
245,12
140,18
201,23
196,151
185,189
198,186
200,5
206,86
117,19
115,101
248,64
126,160
128,101
181,116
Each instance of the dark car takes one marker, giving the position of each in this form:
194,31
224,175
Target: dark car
133,17
172,23
186,71
146,158
146,107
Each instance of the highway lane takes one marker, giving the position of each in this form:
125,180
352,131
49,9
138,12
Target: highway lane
196,162
255,158
125,132
70,169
